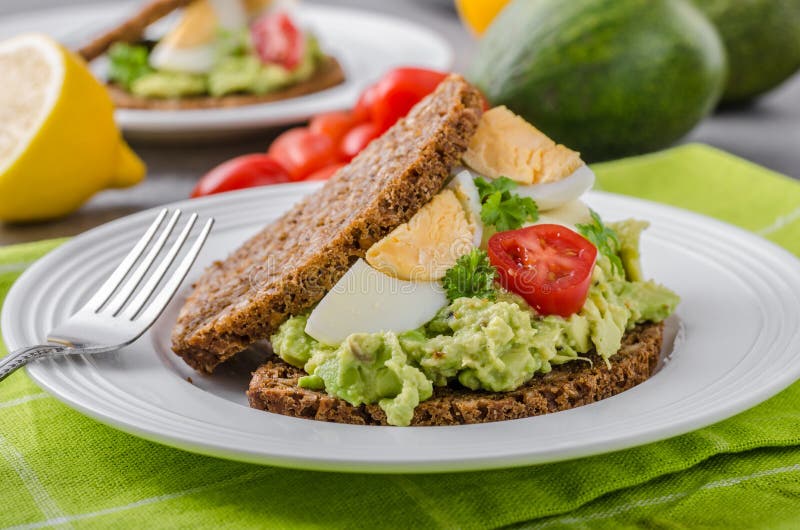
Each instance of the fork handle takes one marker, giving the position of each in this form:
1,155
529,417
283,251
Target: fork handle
23,356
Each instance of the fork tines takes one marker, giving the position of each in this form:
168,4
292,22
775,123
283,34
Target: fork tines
129,288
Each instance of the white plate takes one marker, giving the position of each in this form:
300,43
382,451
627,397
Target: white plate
737,345
365,43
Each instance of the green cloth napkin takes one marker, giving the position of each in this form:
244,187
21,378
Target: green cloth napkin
58,467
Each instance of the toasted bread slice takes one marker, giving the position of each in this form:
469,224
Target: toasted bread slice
132,28
291,264
274,389
328,74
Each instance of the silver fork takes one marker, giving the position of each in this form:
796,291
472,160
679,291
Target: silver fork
127,304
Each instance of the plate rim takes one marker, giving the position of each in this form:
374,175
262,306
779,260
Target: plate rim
391,466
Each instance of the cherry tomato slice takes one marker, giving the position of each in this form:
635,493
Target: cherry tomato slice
334,125
277,40
302,151
325,173
398,91
357,139
244,171
550,266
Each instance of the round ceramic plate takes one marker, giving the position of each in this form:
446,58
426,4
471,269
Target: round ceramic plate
366,44
736,345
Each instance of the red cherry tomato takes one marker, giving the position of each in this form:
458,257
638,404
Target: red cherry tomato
325,173
550,266
363,109
398,91
244,171
357,139
334,125
277,40
302,152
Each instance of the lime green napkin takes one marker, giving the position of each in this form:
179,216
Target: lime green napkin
58,467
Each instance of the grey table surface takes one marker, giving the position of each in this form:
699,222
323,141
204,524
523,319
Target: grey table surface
767,133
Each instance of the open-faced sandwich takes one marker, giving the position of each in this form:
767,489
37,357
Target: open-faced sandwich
449,274
219,53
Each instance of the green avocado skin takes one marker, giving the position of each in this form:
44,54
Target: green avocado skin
609,78
762,39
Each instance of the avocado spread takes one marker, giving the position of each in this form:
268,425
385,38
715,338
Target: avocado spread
237,69
491,345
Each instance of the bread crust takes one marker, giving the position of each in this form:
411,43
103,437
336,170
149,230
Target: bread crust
273,388
289,266
328,74
132,28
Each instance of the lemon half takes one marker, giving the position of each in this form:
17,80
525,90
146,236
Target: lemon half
58,141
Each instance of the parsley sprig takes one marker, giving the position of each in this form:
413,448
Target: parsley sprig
604,238
472,276
503,208
127,63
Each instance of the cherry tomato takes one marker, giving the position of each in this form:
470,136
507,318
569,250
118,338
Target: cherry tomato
244,171
398,91
357,139
550,266
326,172
277,40
334,125
302,152
363,109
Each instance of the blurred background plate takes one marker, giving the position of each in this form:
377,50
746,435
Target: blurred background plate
365,43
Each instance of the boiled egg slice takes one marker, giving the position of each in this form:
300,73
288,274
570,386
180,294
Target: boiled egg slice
190,46
570,215
556,194
552,195
428,244
505,145
365,300
463,185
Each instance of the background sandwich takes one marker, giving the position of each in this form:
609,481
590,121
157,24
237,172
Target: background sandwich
219,53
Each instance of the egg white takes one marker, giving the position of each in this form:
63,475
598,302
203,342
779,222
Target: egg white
570,215
551,195
229,15
195,60
463,185
365,300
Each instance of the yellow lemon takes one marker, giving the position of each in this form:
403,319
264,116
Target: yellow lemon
478,14
58,141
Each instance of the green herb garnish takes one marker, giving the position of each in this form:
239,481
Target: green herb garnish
127,63
604,238
472,276
502,208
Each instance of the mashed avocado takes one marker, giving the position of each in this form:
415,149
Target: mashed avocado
364,368
160,84
628,233
237,70
491,345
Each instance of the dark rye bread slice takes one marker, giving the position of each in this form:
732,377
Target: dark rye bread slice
132,28
328,74
289,266
274,389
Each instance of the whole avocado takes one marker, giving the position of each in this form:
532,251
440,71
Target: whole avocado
762,39
609,78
